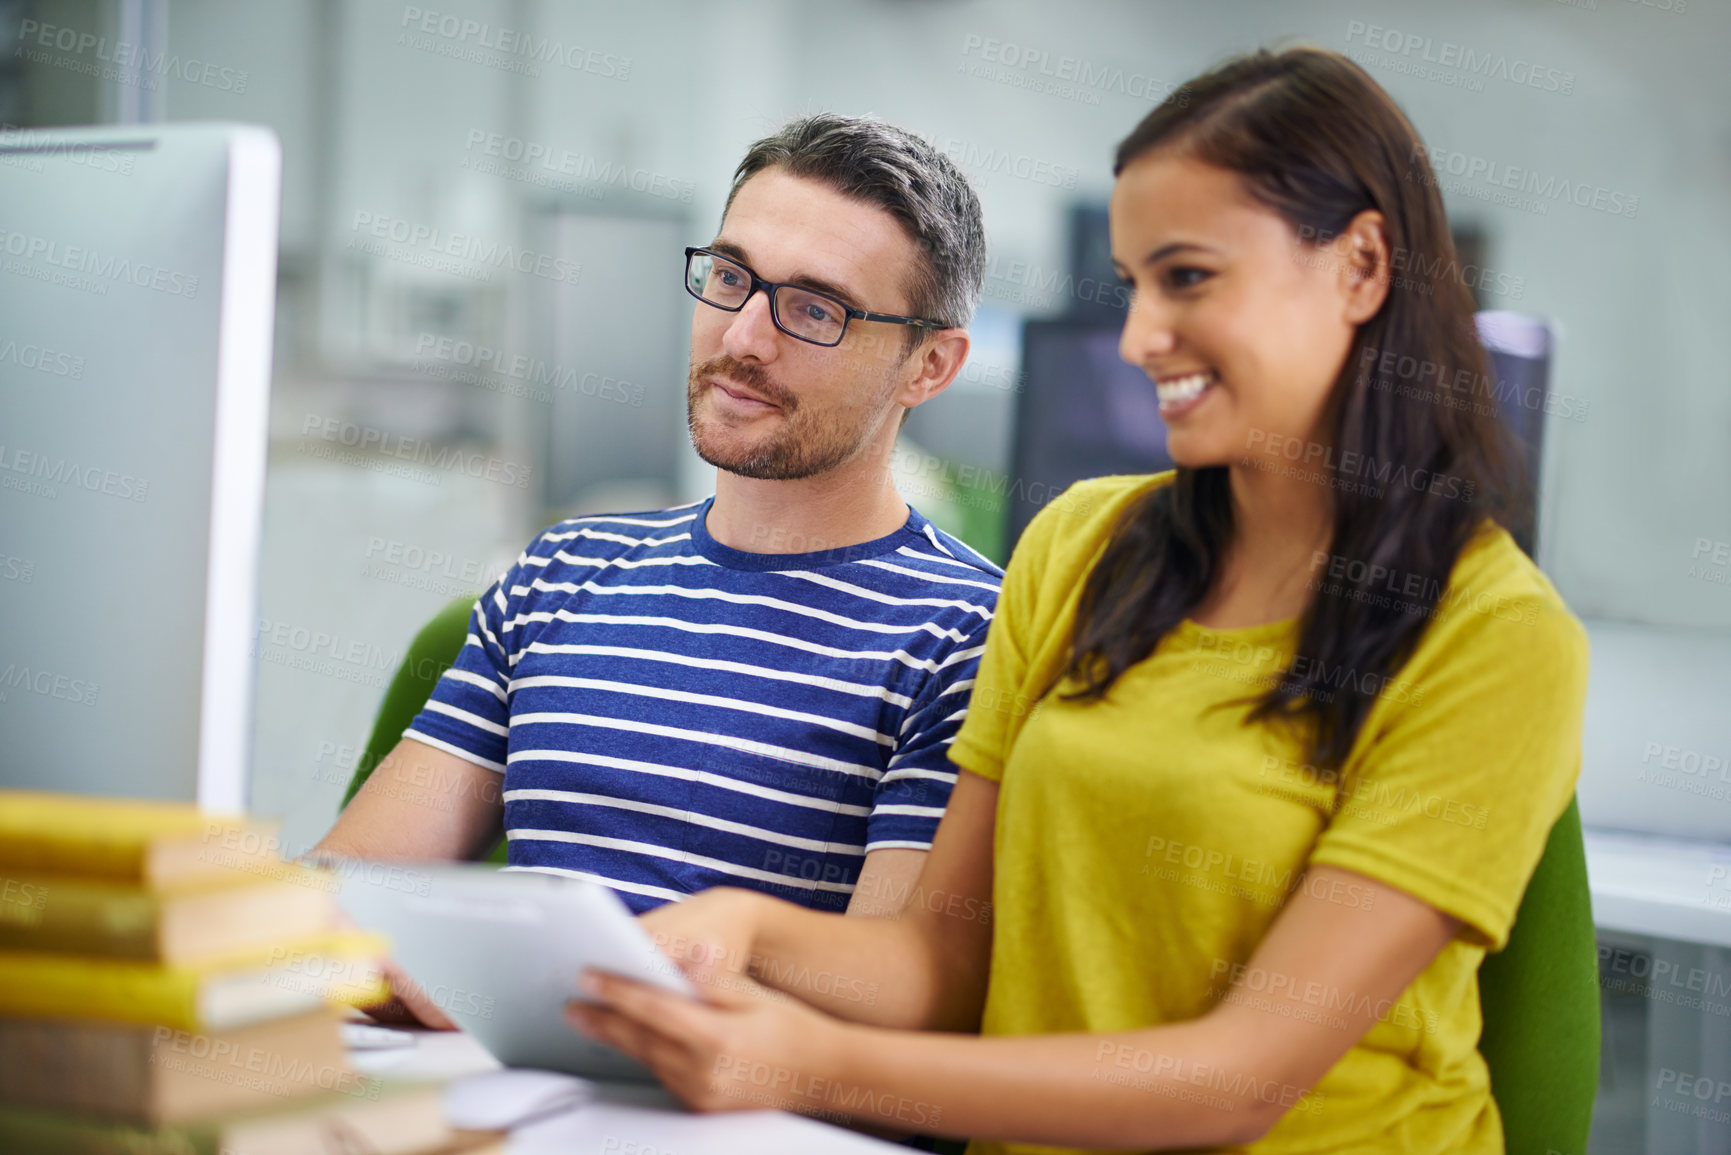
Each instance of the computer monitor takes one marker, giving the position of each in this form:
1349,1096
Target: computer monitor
1518,350
137,299
1083,412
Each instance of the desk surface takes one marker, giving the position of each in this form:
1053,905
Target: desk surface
623,1120
1669,887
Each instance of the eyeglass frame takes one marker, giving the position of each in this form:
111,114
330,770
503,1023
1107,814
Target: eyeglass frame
770,288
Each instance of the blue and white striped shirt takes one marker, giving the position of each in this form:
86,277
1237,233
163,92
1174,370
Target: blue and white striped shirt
672,714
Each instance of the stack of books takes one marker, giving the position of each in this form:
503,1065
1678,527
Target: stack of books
169,984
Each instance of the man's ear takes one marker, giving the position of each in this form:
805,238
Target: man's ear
1366,269
933,366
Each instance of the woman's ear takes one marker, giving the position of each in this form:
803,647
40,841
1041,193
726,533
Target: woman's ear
1366,270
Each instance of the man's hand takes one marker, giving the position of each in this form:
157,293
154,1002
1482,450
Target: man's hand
420,803
410,1005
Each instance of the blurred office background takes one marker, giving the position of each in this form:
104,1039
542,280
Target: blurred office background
433,406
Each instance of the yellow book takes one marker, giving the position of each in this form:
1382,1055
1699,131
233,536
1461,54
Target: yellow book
95,916
154,844
223,992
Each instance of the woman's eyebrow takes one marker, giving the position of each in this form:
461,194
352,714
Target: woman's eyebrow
1165,251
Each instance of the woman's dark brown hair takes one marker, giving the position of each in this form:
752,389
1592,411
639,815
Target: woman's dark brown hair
1316,140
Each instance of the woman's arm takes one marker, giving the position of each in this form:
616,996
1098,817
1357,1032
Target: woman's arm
1226,1077
922,968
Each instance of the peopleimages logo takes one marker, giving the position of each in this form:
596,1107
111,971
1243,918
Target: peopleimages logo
1068,77
1460,58
486,360
987,162
104,266
31,356
48,684
1351,464
1027,283
46,472
25,148
416,450
533,155
465,39
1542,187
1422,273
437,242
123,57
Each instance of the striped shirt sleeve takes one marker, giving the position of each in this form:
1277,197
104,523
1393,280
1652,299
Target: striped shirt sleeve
467,713
910,798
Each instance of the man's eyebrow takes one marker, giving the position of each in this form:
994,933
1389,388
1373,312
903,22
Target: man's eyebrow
729,249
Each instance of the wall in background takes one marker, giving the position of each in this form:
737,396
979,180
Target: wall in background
670,95
399,116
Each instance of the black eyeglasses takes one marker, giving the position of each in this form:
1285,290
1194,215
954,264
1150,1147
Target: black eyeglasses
796,310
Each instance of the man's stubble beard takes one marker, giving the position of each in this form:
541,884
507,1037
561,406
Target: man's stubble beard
807,444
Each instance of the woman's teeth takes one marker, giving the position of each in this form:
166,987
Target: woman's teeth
1179,390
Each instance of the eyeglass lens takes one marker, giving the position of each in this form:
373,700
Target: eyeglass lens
802,312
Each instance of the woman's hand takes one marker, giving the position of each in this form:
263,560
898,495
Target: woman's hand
715,928
739,1047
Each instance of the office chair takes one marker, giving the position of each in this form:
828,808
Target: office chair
1539,995
1540,999
431,652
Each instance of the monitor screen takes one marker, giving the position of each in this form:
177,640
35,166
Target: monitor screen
1082,412
137,291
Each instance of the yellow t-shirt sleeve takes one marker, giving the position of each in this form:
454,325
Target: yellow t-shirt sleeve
1460,773
999,700
1029,638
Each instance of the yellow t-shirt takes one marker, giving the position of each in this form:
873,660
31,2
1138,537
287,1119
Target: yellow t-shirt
1144,843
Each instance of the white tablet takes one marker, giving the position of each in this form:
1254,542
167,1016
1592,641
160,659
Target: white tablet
499,951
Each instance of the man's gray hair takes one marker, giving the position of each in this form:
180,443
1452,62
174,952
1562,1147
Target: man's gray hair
907,177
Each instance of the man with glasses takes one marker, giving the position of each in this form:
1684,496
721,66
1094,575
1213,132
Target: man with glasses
758,690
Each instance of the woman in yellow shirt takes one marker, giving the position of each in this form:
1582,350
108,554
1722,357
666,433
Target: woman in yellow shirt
1262,752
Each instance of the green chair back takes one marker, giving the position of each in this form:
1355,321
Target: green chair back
429,655
1540,998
